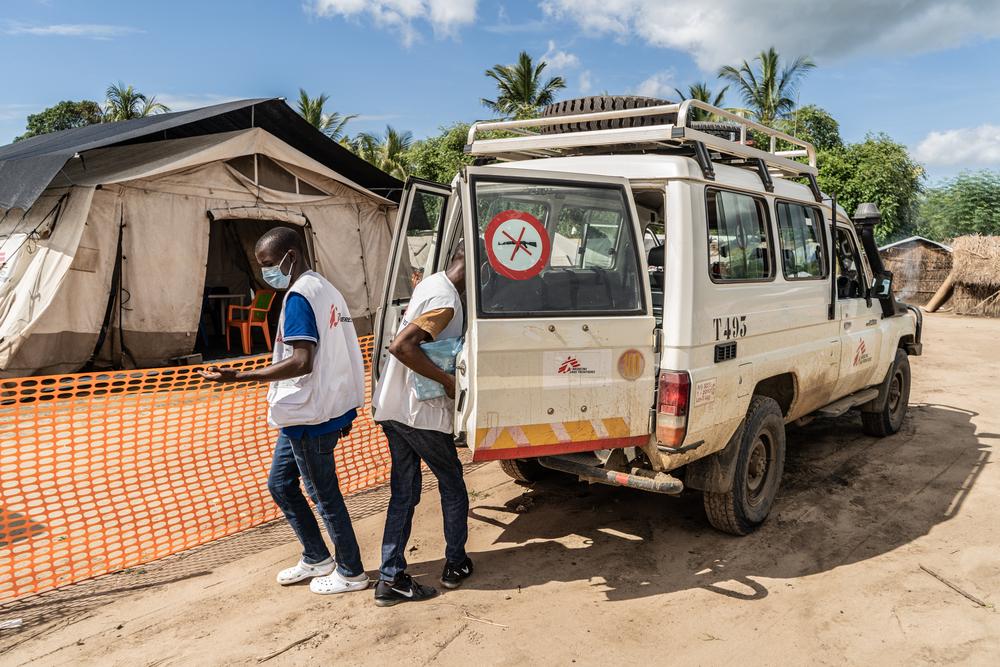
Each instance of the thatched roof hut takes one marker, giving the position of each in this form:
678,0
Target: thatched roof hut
918,266
977,275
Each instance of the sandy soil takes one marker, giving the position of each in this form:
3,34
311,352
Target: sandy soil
568,573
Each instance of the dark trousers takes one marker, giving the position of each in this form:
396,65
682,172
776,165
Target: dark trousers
408,447
311,458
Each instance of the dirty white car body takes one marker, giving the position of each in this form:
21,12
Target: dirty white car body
583,356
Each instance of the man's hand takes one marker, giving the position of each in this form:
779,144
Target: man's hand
216,374
449,386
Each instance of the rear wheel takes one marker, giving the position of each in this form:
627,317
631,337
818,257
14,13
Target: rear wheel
522,470
759,464
890,418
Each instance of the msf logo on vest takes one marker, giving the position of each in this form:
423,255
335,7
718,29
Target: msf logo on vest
336,317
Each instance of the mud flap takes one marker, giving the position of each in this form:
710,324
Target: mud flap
714,473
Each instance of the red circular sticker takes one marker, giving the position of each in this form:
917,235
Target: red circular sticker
517,244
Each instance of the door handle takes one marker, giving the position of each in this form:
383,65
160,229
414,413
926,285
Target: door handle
461,367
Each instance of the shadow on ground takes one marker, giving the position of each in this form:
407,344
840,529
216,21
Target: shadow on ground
71,604
845,497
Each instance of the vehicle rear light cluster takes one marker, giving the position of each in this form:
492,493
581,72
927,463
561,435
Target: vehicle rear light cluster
672,410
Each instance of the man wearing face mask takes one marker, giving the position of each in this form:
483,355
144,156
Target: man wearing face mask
317,383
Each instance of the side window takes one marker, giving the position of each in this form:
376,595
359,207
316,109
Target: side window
739,238
850,275
417,258
800,232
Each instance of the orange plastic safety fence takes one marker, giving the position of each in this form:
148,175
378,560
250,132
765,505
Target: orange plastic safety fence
104,471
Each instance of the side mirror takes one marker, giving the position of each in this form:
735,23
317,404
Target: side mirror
882,285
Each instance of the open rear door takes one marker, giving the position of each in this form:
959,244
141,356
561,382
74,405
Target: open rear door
559,353
415,246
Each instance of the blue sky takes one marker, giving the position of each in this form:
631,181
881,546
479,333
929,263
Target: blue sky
924,72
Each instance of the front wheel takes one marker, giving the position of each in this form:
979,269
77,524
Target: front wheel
759,464
889,419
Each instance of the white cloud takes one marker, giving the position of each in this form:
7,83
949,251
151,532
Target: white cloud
727,31
586,83
15,111
560,60
444,16
660,84
183,101
82,30
968,146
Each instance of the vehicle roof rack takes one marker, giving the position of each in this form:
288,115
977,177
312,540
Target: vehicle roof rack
532,141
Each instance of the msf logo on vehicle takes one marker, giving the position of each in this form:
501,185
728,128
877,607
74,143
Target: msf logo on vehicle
862,356
572,366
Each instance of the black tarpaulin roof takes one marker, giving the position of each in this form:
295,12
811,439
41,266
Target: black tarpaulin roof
27,167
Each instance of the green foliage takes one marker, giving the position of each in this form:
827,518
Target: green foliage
125,103
520,90
63,116
966,204
701,91
876,170
767,86
440,157
389,152
814,125
313,110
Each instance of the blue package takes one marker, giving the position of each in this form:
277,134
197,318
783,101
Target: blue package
443,353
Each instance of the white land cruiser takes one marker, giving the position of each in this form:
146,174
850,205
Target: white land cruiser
651,300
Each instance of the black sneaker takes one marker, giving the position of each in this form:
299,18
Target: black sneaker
403,589
454,575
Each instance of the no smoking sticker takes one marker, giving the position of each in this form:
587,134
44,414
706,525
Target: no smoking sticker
517,245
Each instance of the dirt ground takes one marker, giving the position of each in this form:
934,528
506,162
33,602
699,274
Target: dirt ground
567,573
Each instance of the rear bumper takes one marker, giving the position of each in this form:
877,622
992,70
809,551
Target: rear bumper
533,451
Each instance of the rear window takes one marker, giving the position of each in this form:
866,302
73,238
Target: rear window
739,237
800,231
554,249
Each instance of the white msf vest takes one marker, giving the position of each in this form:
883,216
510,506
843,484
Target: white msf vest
337,382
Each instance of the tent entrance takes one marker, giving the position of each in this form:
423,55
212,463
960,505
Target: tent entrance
232,278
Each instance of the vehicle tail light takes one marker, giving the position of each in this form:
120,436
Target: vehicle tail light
672,410
675,392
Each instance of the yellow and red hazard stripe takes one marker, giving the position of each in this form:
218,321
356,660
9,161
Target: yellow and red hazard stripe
527,440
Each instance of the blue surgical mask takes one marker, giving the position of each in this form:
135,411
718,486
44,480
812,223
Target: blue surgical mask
275,277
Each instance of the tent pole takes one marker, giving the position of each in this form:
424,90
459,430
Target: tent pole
113,293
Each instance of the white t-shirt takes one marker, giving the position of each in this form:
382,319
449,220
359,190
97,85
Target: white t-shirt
395,398
337,382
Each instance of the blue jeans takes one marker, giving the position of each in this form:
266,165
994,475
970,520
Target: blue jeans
408,447
311,458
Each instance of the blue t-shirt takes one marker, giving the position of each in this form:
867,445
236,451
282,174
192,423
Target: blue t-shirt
300,324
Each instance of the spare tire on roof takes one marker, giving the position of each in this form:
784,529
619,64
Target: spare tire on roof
604,103
726,130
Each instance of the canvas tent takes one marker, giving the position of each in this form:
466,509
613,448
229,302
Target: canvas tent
110,259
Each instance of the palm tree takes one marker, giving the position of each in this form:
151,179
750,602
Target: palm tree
768,88
521,92
387,152
700,91
312,109
125,103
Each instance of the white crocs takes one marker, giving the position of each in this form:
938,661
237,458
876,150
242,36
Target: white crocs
338,583
303,571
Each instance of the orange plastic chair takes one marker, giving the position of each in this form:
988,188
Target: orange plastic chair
255,316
